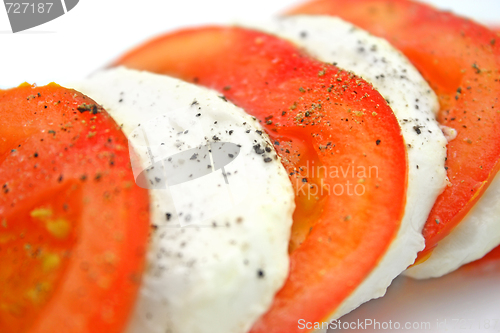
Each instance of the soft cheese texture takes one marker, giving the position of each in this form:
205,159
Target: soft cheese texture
476,235
335,41
219,246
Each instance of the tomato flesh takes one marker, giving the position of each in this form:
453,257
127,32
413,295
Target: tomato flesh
333,132
73,224
461,61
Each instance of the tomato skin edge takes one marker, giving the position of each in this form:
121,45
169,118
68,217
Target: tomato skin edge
178,55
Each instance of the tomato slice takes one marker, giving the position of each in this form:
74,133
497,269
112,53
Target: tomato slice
461,61
73,224
333,132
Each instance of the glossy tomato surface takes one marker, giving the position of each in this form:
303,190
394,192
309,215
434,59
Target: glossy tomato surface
74,225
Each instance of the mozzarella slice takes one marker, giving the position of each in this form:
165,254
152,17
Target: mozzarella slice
476,235
219,252
332,40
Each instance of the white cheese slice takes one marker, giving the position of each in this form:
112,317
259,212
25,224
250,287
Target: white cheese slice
332,40
476,235
219,252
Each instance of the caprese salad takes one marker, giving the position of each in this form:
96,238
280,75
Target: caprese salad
299,167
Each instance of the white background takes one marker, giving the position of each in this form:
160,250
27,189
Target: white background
97,31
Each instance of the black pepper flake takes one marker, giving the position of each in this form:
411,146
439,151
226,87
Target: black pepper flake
87,107
60,178
195,156
377,142
195,102
215,138
303,34
417,129
223,98
35,155
226,88
258,132
198,114
260,274
83,178
258,149
231,132
52,132
478,71
168,216
276,143
98,177
301,90
283,113
304,180
268,149
267,159
230,155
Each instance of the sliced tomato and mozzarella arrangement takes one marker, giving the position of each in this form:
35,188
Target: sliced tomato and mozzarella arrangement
414,104
408,93
358,163
224,265
320,118
461,61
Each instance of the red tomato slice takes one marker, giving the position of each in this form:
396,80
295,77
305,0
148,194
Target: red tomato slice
73,224
322,120
461,61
